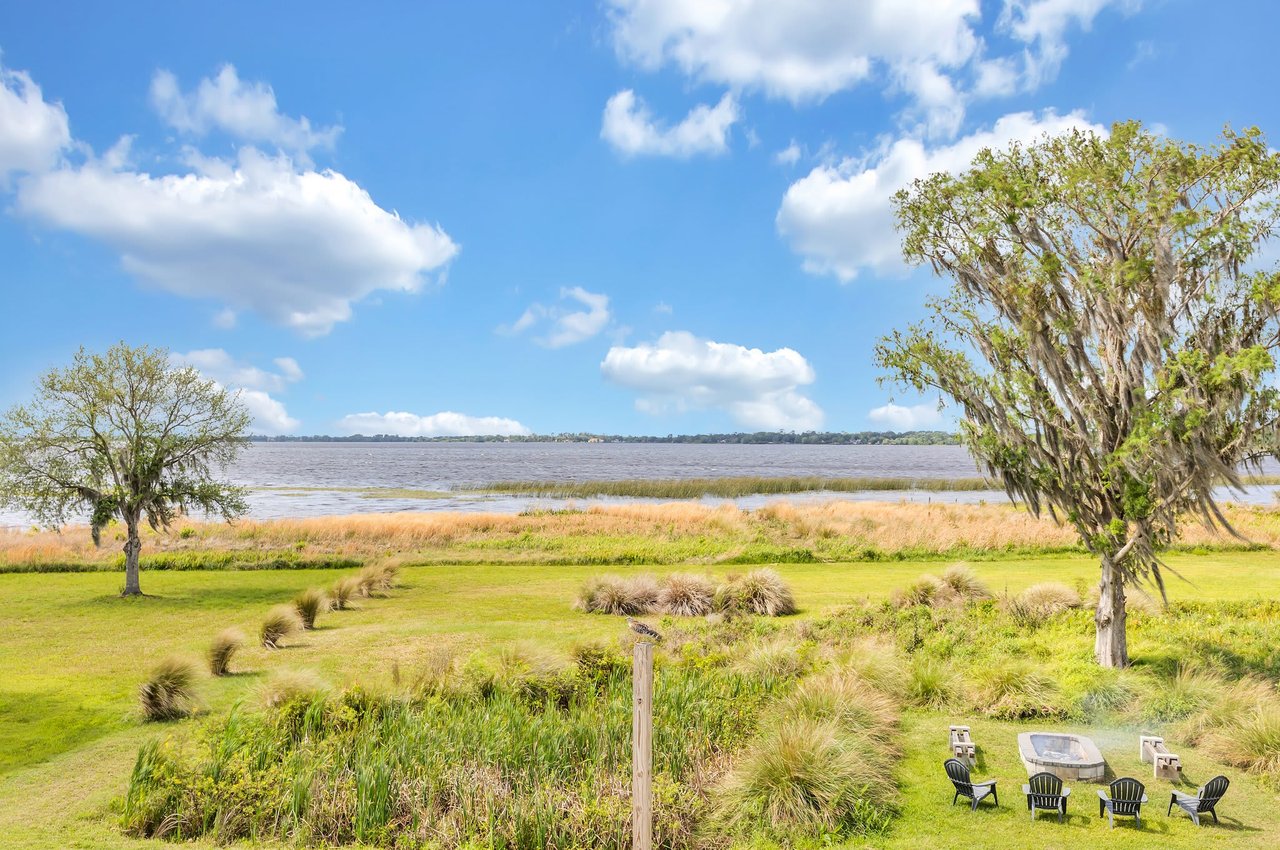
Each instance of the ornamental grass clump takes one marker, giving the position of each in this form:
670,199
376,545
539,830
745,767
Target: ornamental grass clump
381,578
760,591
223,649
822,766
1013,690
964,584
286,686
686,595
343,591
1041,601
619,596
309,604
280,622
169,692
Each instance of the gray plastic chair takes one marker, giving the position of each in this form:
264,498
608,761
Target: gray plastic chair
1045,793
975,792
1125,800
1205,799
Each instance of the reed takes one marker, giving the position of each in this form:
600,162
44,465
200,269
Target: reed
727,487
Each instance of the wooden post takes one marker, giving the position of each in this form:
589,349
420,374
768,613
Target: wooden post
642,747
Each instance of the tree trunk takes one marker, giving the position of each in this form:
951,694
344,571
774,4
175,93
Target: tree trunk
132,547
1111,648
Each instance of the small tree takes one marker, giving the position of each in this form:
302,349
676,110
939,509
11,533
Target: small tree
122,435
1111,352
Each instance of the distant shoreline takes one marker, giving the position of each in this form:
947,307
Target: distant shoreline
812,438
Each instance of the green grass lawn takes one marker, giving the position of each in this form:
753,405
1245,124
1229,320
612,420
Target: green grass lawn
72,655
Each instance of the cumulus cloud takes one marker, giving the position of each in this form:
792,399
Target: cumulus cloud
900,418
252,384
444,424
565,326
632,130
757,389
839,217
800,51
243,110
33,132
295,245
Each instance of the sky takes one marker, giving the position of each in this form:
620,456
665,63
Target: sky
627,217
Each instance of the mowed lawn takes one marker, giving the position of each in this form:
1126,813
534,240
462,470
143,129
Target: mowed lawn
72,654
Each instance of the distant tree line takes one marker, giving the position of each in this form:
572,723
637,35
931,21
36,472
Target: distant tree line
815,438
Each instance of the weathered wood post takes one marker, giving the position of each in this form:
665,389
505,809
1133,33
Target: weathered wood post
642,746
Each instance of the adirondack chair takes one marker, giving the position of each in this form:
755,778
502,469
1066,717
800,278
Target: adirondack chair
975,792
1045,791
1124,800
1205,800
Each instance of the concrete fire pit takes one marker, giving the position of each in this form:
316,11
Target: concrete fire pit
1069,757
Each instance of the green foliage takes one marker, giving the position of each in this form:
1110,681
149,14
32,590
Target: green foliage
122,435
1112,358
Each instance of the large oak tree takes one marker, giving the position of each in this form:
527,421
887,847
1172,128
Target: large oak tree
125,436
1109,334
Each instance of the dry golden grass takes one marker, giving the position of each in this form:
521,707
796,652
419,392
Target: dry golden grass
675,532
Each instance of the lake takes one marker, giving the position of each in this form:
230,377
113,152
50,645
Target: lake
313,479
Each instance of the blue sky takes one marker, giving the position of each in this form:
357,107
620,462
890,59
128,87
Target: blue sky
641,216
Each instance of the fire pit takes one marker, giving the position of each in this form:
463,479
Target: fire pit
1069,757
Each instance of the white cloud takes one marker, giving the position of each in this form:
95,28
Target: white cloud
1042,25
445,424
800,50
566,326
33,132
269,415
839,217
294,245
246,111
631,129
253,385
680,371
900,418
225,319
789,155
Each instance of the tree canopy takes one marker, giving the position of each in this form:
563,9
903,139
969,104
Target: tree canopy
123,435
1109,334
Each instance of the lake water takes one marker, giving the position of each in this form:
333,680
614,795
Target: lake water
307,479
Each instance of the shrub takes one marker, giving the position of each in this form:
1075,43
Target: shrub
224,647
286,686
619,596
169,692
309,604
760,591
281,622
802,778
686,595
1013,690
964,584
343,591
